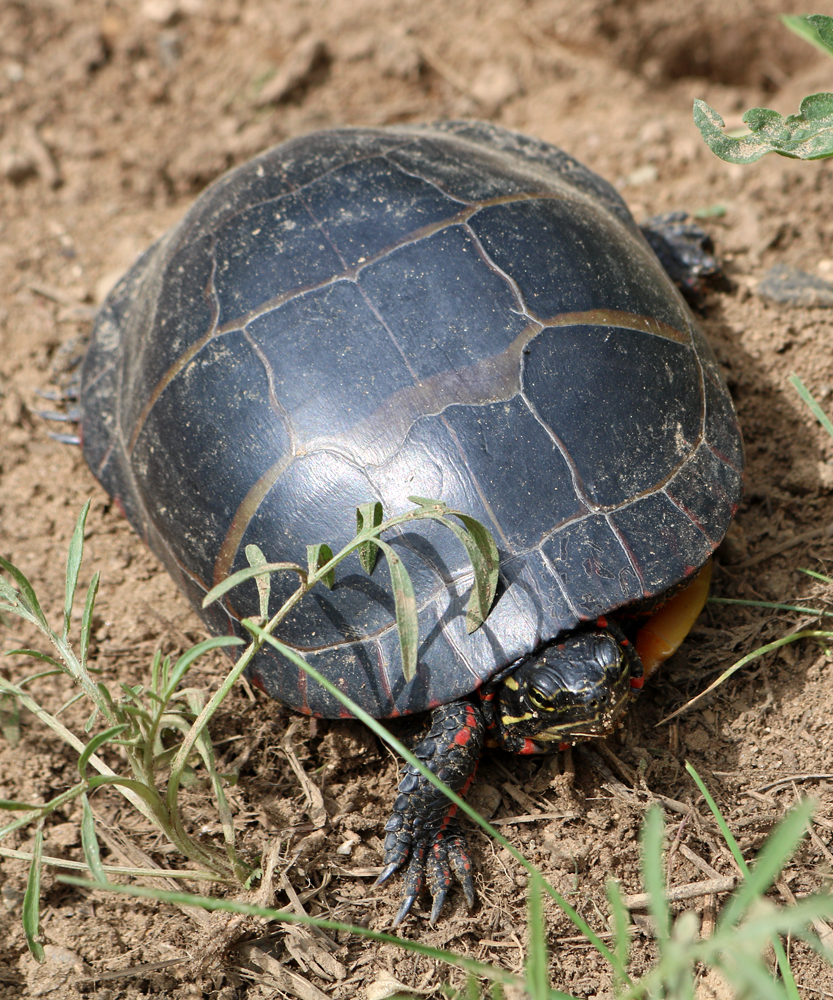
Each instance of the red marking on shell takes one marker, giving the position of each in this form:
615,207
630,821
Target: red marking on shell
528,747
120,506
637,683
601,621
303,702
257,681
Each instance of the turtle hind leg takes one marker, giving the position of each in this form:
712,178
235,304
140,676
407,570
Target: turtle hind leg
423,829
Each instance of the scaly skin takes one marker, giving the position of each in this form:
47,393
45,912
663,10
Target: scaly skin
423,829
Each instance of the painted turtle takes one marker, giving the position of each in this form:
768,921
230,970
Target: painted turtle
454,311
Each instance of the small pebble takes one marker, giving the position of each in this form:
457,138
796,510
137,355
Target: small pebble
789,286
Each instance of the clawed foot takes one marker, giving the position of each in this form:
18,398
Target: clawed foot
433,858
423,830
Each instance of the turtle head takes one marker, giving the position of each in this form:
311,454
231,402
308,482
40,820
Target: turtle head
573,689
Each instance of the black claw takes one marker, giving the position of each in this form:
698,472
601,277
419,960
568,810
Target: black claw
404,910
436,909
386,873
469,892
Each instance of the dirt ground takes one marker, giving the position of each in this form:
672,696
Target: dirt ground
114,114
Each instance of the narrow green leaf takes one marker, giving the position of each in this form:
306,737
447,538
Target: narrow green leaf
486,566
368,516
257,560
809,399
407,621
89,841
74,556
317,556
427,502
95,743
485,561
183,664
149,795
30,608
537,961
87,620
31,901
247,574
36,655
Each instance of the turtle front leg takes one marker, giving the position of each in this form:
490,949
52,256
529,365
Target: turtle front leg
423,829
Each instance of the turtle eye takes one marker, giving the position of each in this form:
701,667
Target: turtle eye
538,699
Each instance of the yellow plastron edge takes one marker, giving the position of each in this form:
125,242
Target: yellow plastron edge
662,634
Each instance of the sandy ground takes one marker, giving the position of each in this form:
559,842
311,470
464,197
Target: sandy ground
113,116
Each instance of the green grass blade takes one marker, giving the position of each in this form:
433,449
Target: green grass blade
745,895
777,850
726,833
37,655
738,664
774,605
621,924
210,903
808,398
31,901
74,557
537,961
653,873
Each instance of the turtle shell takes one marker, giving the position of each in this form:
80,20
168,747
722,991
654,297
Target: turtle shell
452,311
